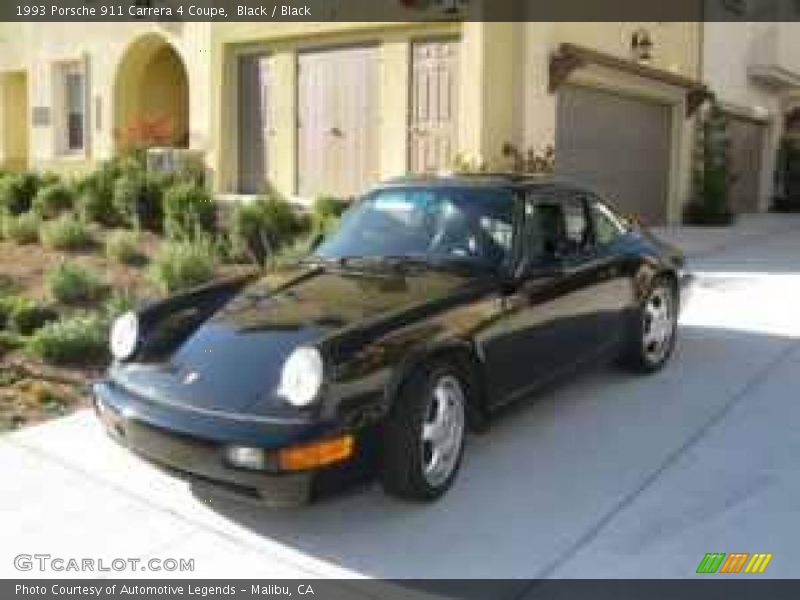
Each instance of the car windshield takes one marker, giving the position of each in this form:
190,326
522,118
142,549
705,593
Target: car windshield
431,224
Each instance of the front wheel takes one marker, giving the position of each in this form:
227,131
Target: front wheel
655,329
424,435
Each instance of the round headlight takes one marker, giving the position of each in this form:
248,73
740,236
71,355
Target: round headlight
301,378
124,336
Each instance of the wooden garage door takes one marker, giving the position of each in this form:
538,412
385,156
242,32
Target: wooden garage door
254,122
747,144
337,121
433,105
617,145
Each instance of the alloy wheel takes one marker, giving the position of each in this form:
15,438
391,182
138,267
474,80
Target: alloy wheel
659,325
443,430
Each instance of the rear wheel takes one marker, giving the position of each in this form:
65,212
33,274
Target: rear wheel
654,330
424,436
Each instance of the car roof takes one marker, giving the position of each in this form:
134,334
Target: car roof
481,180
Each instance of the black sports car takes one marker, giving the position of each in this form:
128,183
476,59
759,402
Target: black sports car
437,301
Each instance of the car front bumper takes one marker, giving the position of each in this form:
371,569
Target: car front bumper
202,460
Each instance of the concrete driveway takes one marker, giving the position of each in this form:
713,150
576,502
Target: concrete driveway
610,475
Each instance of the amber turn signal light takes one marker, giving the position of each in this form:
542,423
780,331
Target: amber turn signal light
318,454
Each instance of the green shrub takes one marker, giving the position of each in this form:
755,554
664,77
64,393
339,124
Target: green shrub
189,212
291,253
182,265
17,192
79,339
70,283
261,228
24,316
95,195
123,247
21,229
326,212
53,199
65,233
8,341
138,199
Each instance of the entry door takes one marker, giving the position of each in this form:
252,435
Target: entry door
618,146
337,128
433,105
255,126
747,144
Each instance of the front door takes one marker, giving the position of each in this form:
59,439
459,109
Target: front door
433,105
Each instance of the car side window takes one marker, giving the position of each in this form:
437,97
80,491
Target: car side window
577,228
606,226
556,228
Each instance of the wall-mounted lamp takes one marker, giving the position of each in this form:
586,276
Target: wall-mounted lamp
641,46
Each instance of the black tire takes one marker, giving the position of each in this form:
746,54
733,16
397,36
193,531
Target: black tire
639,355
405,454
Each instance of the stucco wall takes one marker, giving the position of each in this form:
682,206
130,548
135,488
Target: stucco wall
39,47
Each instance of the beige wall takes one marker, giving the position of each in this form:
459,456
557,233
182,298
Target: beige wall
38,48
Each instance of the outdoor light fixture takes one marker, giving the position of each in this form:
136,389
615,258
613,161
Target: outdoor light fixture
641,46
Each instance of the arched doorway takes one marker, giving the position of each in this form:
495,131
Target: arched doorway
151,96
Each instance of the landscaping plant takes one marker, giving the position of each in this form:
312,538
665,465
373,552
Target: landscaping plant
713,176
326,212
138,200
181,265
21,229
123,247
65,233
23,316
17,192
53,199
189,212
74,340
95,194
70,283
260,228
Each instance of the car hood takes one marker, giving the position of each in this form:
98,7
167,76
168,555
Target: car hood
232,362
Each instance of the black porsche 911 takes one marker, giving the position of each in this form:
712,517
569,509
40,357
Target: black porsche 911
437,301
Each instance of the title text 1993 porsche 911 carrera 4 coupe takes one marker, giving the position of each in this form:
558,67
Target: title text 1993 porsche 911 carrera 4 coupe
437,301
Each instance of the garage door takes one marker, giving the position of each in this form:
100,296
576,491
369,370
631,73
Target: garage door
617,145
337,121
747,144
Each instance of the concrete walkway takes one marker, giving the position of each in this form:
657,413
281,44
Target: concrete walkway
610,475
